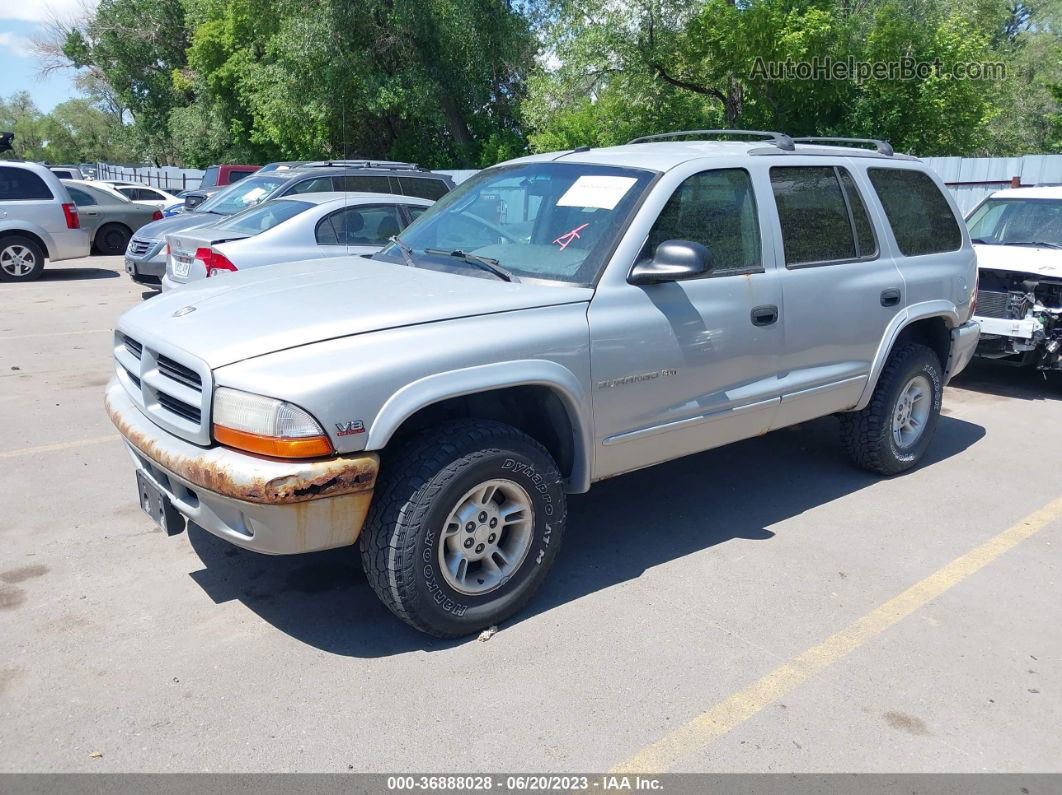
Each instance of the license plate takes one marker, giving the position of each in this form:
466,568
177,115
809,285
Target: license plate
158,506
180,266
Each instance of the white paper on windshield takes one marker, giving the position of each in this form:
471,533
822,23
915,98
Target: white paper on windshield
596,191
253,195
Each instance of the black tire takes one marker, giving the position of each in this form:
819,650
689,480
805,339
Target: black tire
14,249
867,435
419,485
112,239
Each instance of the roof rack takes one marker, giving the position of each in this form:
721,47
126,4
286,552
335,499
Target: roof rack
781,140
395,165
883,147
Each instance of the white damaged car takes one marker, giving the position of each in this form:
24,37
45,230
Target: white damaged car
1017,235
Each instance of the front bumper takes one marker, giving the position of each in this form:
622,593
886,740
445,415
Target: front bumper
963,344
148,267
267,505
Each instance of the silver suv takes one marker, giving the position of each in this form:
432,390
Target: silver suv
38,221
554,321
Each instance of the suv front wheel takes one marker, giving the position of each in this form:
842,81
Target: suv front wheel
892,433
466,521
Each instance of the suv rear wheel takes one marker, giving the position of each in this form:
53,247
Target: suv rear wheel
892,433
21,259
466,521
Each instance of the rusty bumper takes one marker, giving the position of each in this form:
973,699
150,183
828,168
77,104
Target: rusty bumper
268,505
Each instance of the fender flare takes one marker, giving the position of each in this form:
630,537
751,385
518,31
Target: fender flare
20,227
483,378
901,320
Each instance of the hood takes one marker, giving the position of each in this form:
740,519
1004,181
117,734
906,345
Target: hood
250,313
1021,259
157,230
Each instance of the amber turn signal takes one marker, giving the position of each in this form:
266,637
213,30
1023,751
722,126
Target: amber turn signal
303,447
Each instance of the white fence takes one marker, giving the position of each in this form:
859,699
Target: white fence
169,178
970,179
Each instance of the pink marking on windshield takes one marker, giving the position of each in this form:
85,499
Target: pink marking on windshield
568,237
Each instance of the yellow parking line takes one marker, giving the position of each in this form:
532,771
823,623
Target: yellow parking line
48,448
739,707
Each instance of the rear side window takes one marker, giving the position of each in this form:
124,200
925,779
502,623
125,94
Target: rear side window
360,225
264,216
236,176
364,184
920,216
316,185
423,187
81,198
822,215
21,183
716,209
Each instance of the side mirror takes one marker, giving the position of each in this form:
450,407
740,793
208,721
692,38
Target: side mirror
673,260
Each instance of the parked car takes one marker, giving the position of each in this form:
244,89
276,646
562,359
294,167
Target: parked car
38,221
67,172
145,259
301,227
619,307
109,217
1017,235
146,194
215,178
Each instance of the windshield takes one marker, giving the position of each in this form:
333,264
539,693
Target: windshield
264,216
241,195
554,221
1003,222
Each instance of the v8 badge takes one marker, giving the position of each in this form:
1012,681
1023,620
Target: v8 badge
350,428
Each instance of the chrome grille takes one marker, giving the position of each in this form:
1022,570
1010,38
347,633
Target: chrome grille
172,389
139,247
991,304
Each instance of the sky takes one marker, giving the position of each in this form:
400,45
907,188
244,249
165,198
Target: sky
20,21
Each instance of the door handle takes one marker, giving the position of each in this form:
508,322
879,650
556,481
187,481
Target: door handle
764,315
890,297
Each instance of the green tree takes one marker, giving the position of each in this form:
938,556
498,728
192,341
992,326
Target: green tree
135,45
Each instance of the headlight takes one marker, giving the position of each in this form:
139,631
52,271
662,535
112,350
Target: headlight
266,426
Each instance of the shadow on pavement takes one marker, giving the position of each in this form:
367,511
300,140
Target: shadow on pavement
1003,380
53,274
621,528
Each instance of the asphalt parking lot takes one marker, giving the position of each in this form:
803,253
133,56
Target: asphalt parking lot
763,607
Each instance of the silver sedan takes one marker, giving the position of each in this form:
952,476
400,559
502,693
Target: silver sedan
297,227
109,217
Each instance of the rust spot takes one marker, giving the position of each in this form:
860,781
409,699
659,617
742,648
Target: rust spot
313,479
23,573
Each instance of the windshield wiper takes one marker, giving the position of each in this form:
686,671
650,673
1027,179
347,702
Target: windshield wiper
407,252
1037,243
486,263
